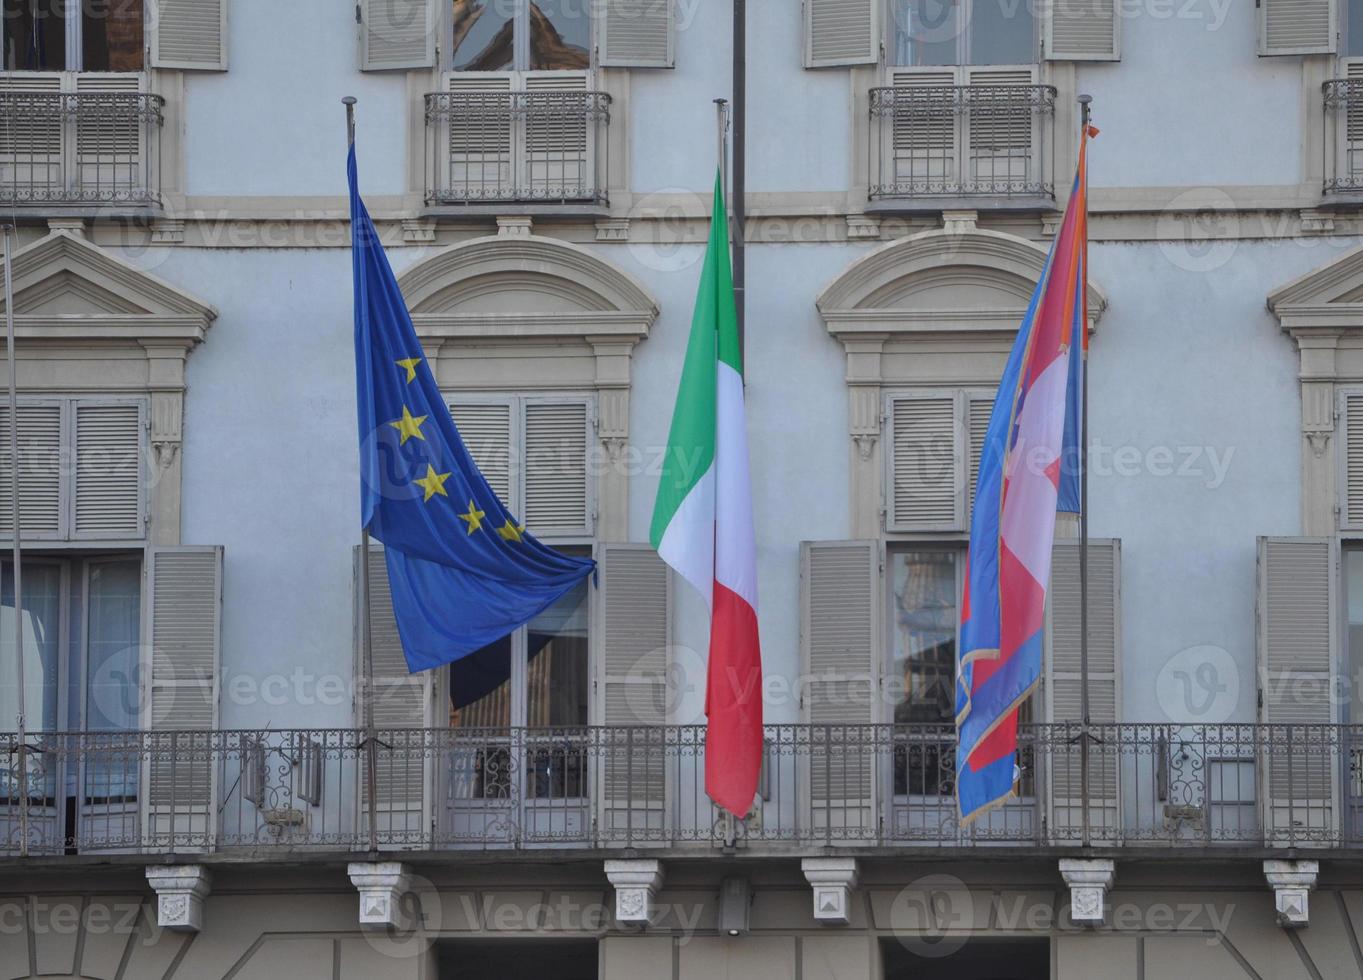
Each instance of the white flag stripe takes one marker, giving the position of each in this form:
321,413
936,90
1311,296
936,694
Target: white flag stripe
688,544
735,548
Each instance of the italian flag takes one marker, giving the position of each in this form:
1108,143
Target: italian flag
702,525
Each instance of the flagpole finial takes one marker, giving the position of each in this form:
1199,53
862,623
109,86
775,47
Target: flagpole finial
349,103
1085,101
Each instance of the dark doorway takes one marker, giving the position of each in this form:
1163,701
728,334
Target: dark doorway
969,959
551,959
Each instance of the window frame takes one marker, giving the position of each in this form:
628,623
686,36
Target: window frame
75,44
520,44
964,40
893,547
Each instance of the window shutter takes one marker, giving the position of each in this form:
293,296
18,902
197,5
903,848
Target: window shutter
924,463
635,603
188,34
1297,26
556,487
479,135
1064,688
1087,30
638,34
397,34
1296,654
1001,140
31,144
184,625
925,158
109,466
557,151
978,410
108,145
399,715
840,649
41,500
1351,440
841,32
485,428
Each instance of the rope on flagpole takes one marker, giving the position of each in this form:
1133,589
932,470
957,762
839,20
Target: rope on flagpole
1085,101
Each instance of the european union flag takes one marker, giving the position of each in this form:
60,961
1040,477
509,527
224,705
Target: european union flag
462,570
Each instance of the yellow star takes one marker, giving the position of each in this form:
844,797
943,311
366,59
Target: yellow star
409,425
474,517
410,364
433,483
511,532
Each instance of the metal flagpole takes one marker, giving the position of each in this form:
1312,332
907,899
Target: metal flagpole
14,517
366,628
1084,736
740,168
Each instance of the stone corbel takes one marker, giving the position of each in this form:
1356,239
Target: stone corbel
832,880
165,452
1292,883
1319,440
180,893
1089,882
381,886
636,885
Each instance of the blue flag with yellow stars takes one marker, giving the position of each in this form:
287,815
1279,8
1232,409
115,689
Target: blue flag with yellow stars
462,570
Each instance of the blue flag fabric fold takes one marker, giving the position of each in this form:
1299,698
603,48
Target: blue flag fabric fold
462,570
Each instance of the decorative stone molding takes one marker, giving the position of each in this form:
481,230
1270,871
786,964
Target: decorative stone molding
612,230
381,887
832,880
958,222
519,226
860,227
167,231
1292,883
1050,224
418,231
1089,882
180,893
74,226
1316,222
636,884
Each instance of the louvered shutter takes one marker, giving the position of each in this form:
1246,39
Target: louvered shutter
109,467
1064,688
1297,26
1000,129
485,428
188,34
926,126
480,136
397,34
557,158
978,410
1349,162
1088,30
401,769
557,499
632,641
841,32
31,142
42,503
1351,468
840,649
638,33
108,149
925,464
1296,623
184,625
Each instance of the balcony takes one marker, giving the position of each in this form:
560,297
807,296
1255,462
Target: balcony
540,151
1343,98
80,153
1133,786
936,147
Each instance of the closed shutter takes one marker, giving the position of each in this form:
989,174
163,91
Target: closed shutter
109,143
556,486
557,158
841,32
188,34
480,136
397,34
1297,26
485,428
1296,667
31,136
41,501
924,150
1351,491
635,604
184,625
978,410
109,467
638,33
925,463
1350,162
401,768
840,649
1064,687
1087,30
1000,124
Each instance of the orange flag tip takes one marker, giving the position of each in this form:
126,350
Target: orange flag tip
1093,131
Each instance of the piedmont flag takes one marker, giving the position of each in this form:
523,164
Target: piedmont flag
462,570
1028,472
702,525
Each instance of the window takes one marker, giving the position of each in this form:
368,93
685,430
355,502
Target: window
522,35
1351,31
963,32
73,35
925,584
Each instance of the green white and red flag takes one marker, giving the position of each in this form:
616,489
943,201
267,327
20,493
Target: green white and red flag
703,528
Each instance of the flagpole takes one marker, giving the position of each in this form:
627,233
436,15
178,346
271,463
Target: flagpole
366,629
20,721
1084,736
740,168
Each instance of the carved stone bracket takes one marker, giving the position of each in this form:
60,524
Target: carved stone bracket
165,451
636,885
1089,882
832,880
180,893
417,231
1292,883
381,887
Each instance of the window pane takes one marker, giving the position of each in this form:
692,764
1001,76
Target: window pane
35,35
924,626
926,32
482,35
557,653
111,35
1002,32
560,35
1353,28
480,688
114,634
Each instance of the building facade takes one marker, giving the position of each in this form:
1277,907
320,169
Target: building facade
196,794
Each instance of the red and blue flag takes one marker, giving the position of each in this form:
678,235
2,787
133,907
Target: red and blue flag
1029,472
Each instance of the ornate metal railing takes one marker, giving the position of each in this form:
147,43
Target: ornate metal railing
1130,785
86,150
1343,155
543,147
968,143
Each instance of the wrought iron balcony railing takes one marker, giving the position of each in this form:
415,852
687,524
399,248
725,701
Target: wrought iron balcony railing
1130,785
80,150
1343,136
542,147
970,144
